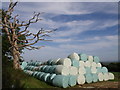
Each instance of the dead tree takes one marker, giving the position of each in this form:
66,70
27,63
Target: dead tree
10,26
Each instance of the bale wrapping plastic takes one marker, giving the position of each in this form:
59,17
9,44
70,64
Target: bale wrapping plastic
73,70
83,57
111,76
90,59
74,63
61,81
99,65
50,78
96,59
54,62
93,70
63,70
72,80
88,78
66,62
74,56
81,63
80,79
87,64
105,77
81,70
100,76
94,64
104,70
95,77
88,70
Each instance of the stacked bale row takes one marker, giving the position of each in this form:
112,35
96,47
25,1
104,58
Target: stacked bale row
75,69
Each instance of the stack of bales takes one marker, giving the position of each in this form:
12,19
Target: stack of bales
65,72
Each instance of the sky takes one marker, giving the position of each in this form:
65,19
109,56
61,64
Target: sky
82,27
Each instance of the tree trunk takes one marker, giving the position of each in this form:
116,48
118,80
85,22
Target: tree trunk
16,63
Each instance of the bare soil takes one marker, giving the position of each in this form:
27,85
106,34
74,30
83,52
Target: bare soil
104,84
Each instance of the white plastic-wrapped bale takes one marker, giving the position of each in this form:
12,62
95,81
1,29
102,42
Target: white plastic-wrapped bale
81,63
72,80
81,70
94,64
80,79
74,63
61,81
93,70
74,56
65,61
111,76
24,64
88,78
83,57
87,64
105,76
61,69
99,70
95,77
73,70
90,59
99,65
100,76
96,59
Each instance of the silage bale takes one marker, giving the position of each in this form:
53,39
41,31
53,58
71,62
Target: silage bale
47,69
88,70
111,76
99,70
80,79
61,81
52,69
74,63
88,78
100,76
96,59
95,77
105,76
43,68
90,59
50,78
61,69
81,70
44,77
74,56
54,62
83,57
41,74
72,80
104,70
24,64
34,73
49,62
87,64
94,64
81,63
73,70
99,65
65,61
93,70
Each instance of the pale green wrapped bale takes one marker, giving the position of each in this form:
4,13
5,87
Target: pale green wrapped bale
90,59
50,78
93,64
88,70
41,74
47,69
74,63
61,81
52,69
81,70
49,62
88,78
104,70
83,57
72,80
99,70
93,70
34,74
99,65
44,77
42,69
74,56
24,64
54,62
96,59
95,77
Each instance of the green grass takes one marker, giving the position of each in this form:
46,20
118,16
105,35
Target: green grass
117,76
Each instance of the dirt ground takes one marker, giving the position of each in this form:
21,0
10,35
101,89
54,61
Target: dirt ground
104,84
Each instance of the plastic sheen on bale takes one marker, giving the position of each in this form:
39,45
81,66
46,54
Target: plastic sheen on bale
74,63
83,57
80,79
73,70
88,78
61,81
65,61
96,59
74,56
72,80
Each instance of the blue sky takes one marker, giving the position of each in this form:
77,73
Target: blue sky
82,27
